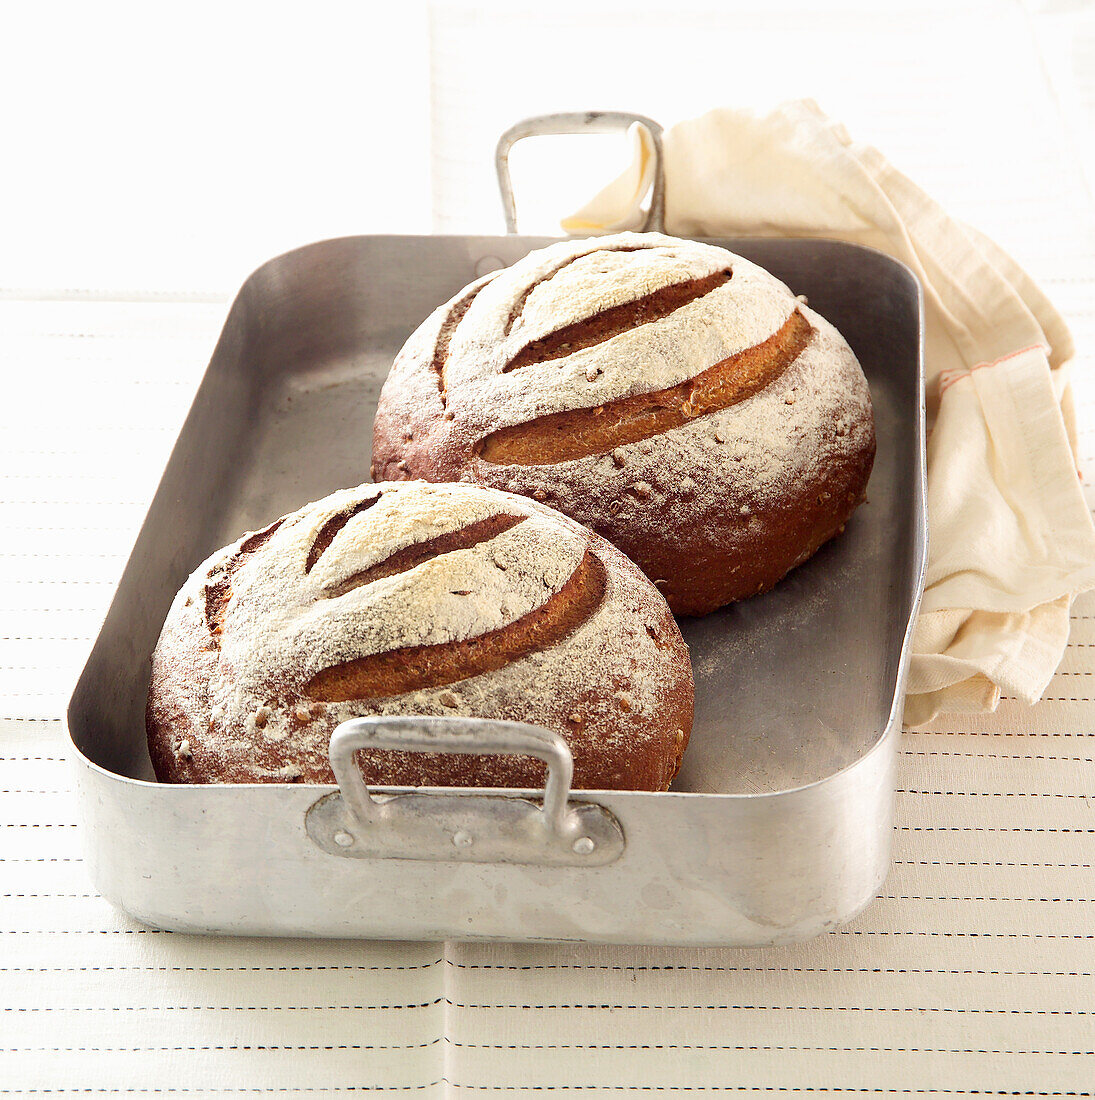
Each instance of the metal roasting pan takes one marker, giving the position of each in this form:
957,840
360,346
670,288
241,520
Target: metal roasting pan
778,826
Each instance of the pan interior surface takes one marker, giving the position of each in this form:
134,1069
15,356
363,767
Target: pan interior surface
791,686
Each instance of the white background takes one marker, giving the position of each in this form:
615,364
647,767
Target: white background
151,147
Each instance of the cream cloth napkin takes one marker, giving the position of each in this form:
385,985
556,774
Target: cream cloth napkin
1011,538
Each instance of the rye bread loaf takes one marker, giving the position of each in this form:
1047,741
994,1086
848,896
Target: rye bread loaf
670,395
418,599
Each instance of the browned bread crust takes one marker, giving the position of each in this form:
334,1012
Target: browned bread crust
670,395
418,599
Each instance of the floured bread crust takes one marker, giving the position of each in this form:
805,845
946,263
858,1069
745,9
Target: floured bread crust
408,598
702,419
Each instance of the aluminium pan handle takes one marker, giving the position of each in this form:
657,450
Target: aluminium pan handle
462,827
457,735
580,122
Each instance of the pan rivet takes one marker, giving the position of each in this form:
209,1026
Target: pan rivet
462,839
343,839
584,845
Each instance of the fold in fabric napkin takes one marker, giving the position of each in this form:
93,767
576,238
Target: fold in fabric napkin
1011,538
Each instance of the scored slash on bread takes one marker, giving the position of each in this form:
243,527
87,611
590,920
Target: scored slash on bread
668,394
560,437
218,589
410,556
398,671
418,599
616,319
335,524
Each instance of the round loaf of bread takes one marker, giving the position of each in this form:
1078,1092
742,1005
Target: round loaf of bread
410,598
670,395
